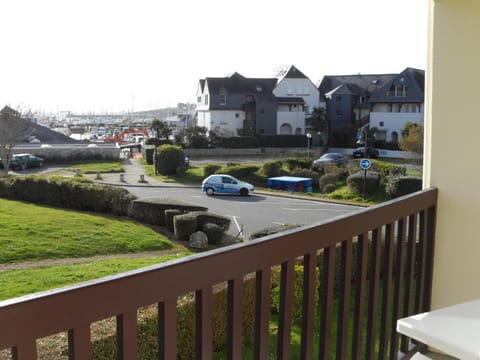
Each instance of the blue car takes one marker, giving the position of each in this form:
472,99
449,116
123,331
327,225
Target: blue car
225,184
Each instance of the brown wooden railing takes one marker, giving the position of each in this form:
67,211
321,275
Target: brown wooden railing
377,262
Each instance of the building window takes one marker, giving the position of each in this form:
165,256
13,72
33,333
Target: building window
381,123
199,99
306,109
206,99
237,115
289,90
339,98
339,113
223,99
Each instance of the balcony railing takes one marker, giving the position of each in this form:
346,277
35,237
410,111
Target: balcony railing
373,267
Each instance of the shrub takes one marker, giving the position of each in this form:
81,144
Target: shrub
168,158
71,193
241,171
387,169
356,181
169,215
307,173
272,168
302,163
184,225
297,292
214,233
152,210
330,178
204,217
211,169
272,230
329,188
402,185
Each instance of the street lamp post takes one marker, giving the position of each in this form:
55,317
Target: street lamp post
319,140
309,136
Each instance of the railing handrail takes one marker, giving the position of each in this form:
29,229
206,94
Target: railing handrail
27,318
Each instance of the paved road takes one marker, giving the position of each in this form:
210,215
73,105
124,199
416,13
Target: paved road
248,214
254,212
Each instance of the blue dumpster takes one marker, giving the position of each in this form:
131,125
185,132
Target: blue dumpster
290,183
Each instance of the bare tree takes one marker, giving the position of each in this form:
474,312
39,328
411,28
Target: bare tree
13,129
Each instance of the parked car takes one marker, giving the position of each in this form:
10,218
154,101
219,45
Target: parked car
225,184
330,158
23,161
360,153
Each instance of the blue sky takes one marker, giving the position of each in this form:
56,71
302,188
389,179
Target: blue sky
118,55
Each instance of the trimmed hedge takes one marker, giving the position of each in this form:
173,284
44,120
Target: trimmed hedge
169,215
186,224
168,158
356,181
152,210
397,186
214,233
71,193
211,169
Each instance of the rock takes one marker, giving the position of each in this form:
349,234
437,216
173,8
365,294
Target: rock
198,240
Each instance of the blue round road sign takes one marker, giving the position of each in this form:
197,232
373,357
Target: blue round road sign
365,164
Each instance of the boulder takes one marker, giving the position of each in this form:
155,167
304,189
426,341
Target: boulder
198,240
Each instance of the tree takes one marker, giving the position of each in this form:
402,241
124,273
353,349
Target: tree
13,129
318,120
413,139
194,132
162,130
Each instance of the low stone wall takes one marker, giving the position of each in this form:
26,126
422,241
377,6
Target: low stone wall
68,152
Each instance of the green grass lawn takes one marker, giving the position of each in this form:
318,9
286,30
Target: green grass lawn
32,232
15,283
94,166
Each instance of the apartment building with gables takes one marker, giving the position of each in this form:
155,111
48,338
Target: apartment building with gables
384,101
276,105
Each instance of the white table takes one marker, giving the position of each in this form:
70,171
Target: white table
454,330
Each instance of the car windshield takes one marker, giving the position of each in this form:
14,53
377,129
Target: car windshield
330,156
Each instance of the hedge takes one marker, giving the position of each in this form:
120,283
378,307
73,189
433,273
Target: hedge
71,193
402,185
152,210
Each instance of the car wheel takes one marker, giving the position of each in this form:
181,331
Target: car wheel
243,192
209,192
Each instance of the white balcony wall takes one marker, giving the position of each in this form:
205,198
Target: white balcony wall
227,120
296,120
393,122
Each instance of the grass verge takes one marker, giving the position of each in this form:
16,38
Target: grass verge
15,283
33,232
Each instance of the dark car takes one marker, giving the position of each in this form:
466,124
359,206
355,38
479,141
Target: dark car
23,161
360,153
330,158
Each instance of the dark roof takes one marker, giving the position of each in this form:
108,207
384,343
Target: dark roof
237,83
33,131
413,79
357,84
290,72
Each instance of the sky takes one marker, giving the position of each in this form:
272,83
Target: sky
98,56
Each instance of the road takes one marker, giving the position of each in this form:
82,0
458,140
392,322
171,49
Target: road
254,212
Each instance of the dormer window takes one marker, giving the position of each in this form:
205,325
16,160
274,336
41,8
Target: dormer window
397,91
223,99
